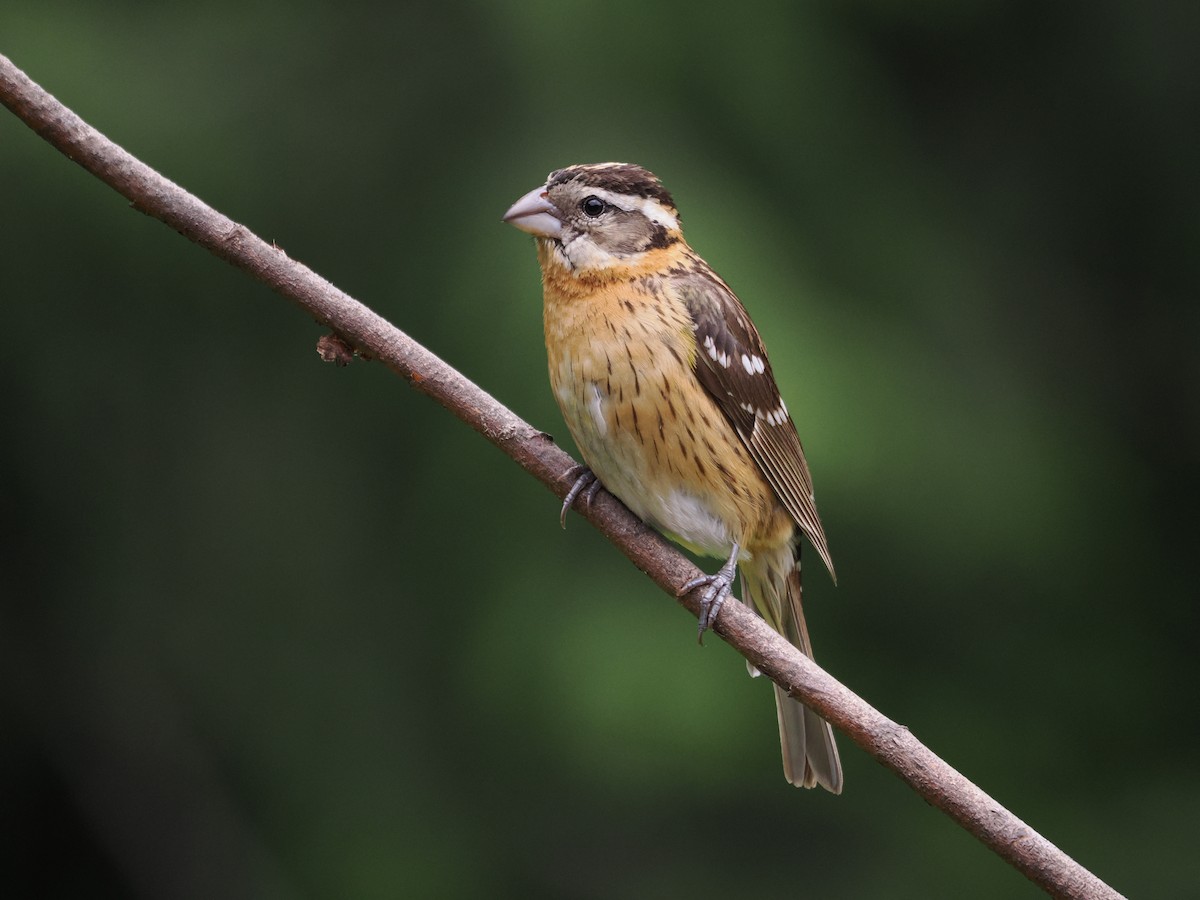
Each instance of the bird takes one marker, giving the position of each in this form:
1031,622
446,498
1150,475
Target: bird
664,384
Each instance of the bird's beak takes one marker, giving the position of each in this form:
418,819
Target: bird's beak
535,214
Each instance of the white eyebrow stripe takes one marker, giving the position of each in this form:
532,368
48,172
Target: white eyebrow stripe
647,206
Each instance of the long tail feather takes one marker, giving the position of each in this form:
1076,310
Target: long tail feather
771,583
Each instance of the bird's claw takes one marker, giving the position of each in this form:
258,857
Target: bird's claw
710,604
586,483
720,586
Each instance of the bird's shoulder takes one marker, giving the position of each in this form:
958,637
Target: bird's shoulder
731,358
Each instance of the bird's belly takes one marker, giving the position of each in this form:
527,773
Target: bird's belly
637,445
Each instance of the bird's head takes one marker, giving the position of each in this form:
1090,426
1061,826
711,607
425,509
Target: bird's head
599,216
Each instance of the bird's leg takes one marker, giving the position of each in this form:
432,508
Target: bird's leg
719,586
586,483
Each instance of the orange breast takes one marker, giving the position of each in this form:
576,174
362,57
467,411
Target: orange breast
620,356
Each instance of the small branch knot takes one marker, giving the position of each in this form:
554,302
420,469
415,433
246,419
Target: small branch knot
333,348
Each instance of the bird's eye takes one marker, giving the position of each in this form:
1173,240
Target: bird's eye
593,206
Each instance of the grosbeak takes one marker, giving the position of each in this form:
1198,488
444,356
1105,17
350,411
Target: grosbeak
666,388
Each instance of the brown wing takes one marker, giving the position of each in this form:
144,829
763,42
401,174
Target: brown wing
732,364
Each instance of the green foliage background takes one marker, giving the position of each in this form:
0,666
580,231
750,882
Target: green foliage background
271,629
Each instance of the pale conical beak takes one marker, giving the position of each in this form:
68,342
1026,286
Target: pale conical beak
535,214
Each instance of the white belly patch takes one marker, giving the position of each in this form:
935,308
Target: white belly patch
623,464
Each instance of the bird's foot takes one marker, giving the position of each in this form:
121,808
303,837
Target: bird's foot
586,483
719,586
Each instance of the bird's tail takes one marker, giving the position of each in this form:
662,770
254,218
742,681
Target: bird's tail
771,584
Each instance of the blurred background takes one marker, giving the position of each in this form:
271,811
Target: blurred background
272,629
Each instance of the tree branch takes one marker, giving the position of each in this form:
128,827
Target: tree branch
890,743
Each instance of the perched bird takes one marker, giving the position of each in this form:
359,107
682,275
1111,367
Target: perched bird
665,385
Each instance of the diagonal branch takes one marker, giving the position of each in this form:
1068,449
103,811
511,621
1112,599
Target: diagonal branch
890,743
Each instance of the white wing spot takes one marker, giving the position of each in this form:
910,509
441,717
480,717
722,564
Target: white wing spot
776,416
717,356
753,365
